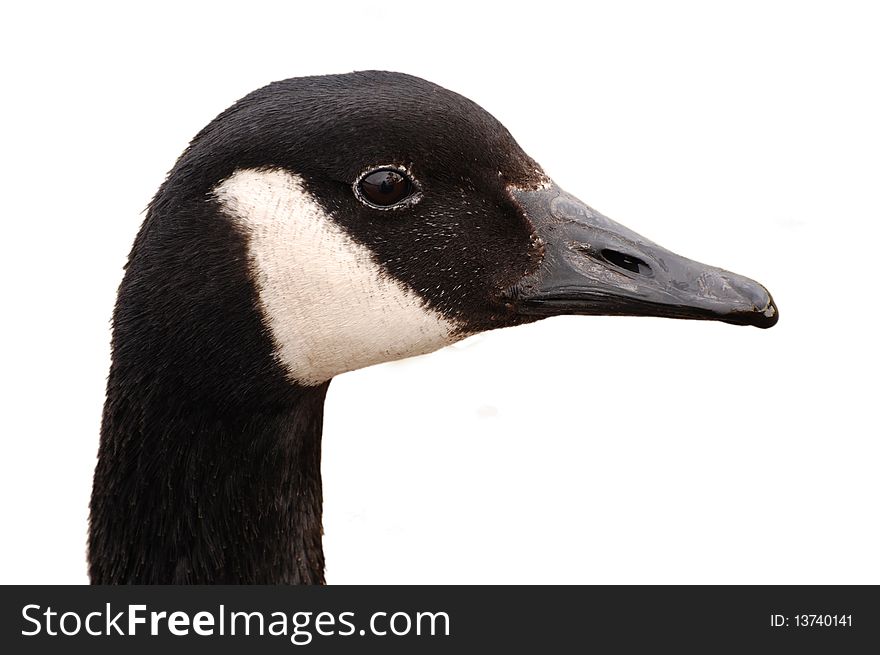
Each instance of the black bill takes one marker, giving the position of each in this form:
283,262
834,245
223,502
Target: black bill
593,265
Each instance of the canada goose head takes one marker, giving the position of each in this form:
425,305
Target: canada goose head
317,226
386,216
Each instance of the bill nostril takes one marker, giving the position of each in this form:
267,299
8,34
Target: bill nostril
627,262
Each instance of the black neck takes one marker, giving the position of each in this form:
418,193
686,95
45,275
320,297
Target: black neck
209,495
209,464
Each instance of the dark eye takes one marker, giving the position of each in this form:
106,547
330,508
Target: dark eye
385,187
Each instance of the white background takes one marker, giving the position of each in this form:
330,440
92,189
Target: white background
591,450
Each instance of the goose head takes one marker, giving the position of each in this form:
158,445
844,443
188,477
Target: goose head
317,226
386,216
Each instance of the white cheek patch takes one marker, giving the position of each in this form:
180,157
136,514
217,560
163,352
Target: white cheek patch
329,306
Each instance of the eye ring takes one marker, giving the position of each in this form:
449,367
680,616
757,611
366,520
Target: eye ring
387,187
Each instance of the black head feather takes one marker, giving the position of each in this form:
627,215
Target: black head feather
209,460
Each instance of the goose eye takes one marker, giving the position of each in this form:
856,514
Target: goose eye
385,187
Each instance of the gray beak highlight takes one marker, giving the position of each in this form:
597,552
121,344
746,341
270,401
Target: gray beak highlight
593,265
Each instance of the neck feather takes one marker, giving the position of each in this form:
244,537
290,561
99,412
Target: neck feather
208,494
209,463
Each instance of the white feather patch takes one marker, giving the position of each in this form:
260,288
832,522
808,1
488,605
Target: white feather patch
329,305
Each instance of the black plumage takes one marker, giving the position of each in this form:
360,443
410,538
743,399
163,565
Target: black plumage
208,466
209,461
